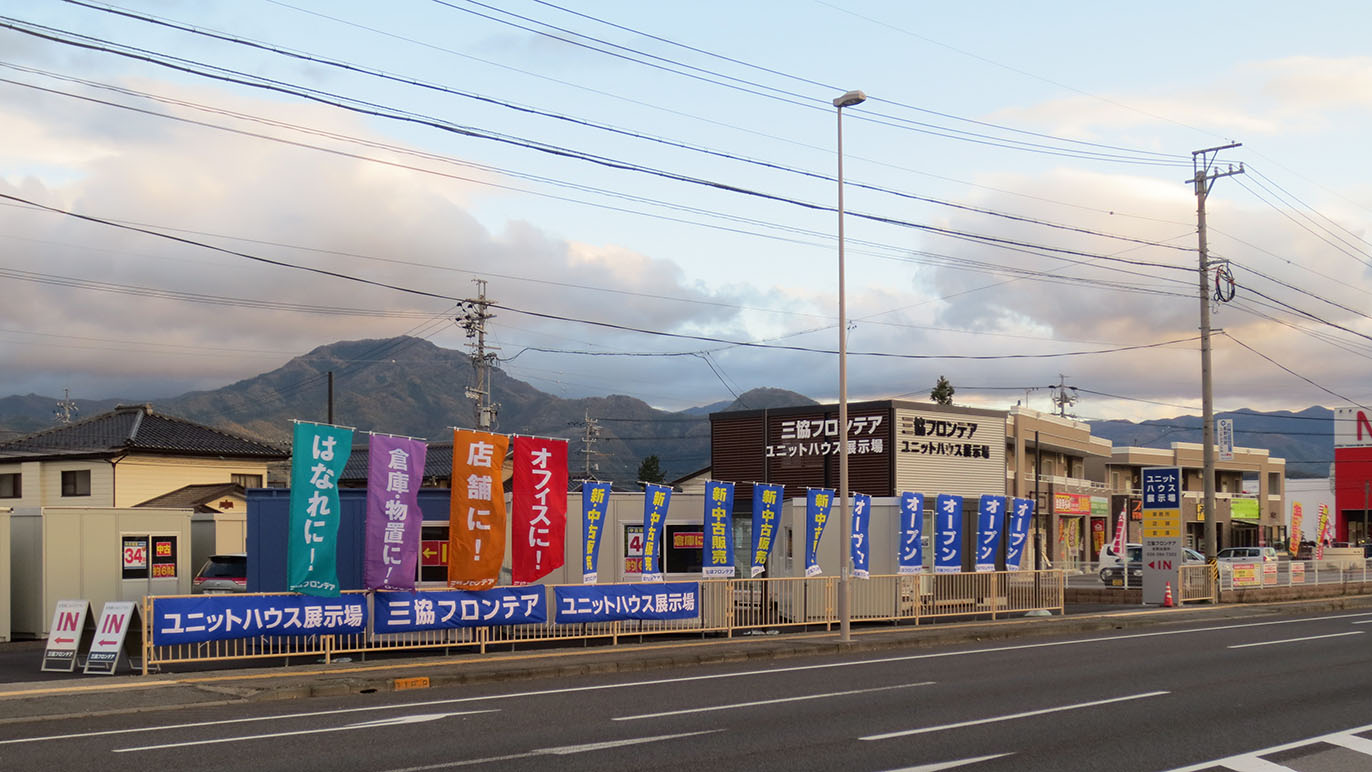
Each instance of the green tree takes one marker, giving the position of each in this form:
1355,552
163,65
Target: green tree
942,392
650,470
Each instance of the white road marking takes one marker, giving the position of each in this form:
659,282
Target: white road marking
942,765
1363,622
777,701
685,679
1012,716
1251,762
1294,640
397,720
559,751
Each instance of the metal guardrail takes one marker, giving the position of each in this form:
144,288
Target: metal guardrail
727,607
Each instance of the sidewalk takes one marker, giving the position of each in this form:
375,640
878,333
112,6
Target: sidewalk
24,698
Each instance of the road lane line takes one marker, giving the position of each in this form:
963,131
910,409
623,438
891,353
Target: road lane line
323,730
559,751
392,666
658,681
1295,640
777,701
1026,714
942,765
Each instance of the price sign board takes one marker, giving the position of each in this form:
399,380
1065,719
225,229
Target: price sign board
71,630
1162,555
112,637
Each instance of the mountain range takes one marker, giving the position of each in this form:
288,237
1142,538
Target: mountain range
410,386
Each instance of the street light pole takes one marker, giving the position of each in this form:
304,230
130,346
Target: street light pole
845,537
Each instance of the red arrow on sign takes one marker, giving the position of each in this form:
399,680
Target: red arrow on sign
63,640
107,643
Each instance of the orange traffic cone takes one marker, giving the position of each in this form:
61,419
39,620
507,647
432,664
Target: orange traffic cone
1167,596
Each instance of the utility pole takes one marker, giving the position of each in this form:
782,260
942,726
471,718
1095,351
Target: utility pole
589,436
1202,162
66,408
475,313
330,419
1062,399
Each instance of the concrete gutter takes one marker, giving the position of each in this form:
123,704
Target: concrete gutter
106,695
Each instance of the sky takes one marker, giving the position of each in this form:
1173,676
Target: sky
192,193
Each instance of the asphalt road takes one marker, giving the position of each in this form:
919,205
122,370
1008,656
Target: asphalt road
1152,699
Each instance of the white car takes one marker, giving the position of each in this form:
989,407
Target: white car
1246,555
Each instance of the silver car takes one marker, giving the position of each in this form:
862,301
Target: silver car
222,574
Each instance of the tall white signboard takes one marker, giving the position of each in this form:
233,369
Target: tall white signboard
1162,554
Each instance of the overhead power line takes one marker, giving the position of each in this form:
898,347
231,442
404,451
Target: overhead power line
382,111
555,317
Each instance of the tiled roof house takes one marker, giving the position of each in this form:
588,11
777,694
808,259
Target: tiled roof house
126,457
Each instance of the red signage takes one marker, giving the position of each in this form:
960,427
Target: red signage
433,552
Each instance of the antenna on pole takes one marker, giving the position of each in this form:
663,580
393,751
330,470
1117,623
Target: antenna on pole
66,410
1061,397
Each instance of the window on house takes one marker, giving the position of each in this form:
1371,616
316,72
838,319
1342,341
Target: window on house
247,480
76,482
11,486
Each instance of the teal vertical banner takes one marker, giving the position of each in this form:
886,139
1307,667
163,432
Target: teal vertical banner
318,454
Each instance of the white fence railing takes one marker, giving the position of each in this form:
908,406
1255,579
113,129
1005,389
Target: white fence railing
1292,573
726,607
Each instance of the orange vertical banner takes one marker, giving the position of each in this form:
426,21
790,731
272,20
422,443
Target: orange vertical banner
476,515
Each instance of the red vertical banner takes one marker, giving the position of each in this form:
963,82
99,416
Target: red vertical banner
476,514
538,511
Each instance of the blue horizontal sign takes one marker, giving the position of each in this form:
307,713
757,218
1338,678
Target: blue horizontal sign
613,602
220,617
403,612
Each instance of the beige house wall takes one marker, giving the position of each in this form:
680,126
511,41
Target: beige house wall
139,478
128,481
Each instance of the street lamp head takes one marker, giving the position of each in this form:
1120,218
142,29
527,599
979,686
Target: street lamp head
850,99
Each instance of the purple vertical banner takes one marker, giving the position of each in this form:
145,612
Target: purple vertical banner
948,530
911,532
861,553
990,514
395,468
1020,515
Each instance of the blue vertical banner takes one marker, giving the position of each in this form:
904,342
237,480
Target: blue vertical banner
818,502
766,508
318,454
655,500
1021,512
595,497
948,530
911,532
861,552
718,560
990,516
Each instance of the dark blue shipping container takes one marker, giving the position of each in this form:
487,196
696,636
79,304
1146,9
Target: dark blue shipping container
269,519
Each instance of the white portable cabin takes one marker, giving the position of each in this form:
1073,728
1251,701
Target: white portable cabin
98,554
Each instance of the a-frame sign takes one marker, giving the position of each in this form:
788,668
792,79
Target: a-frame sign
119,631
72,630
